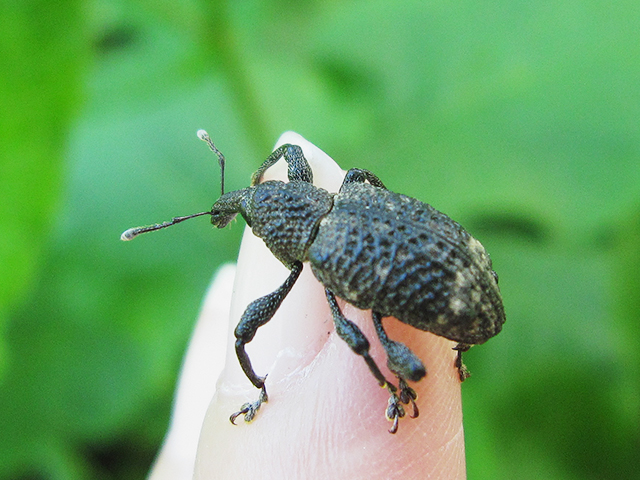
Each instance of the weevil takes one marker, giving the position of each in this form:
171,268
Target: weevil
376,249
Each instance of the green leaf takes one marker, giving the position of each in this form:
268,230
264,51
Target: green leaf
42,55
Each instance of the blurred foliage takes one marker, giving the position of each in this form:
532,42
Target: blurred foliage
38,54
519,119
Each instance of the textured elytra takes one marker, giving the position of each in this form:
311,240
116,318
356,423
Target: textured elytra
396,255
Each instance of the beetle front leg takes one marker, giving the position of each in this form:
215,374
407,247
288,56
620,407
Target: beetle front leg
297,165
258,313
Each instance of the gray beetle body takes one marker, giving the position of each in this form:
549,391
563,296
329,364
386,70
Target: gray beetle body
391,253
383,251
373,248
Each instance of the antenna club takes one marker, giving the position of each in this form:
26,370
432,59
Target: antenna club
204,136
128,234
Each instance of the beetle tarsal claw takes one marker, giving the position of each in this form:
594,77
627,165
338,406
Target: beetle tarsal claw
463,372
249,410
408,395
395,411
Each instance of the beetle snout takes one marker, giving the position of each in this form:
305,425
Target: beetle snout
221,220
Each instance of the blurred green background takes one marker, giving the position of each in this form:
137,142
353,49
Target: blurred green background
519,119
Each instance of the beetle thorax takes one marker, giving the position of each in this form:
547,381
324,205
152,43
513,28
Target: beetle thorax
286,216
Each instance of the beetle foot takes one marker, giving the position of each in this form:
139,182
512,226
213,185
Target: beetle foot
249,410
395,411
463,372
408,395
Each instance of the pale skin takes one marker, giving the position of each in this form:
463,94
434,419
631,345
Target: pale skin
325,414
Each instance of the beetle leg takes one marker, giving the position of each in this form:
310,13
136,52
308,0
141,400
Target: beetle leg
299,168
408,395
258,313
463,373
394,412
249,410
353,336
401,361
360,175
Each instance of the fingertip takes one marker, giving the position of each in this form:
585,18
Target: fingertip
202,364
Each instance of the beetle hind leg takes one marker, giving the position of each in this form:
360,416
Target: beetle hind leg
463,372
395,410
403,362
353,336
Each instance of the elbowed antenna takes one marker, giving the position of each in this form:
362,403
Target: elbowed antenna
134,232
204,136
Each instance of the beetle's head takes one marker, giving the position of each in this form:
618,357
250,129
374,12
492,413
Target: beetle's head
220,219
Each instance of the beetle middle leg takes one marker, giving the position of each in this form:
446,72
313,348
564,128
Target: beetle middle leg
360,175
353,336
258,313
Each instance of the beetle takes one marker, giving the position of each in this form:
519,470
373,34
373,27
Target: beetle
376,249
